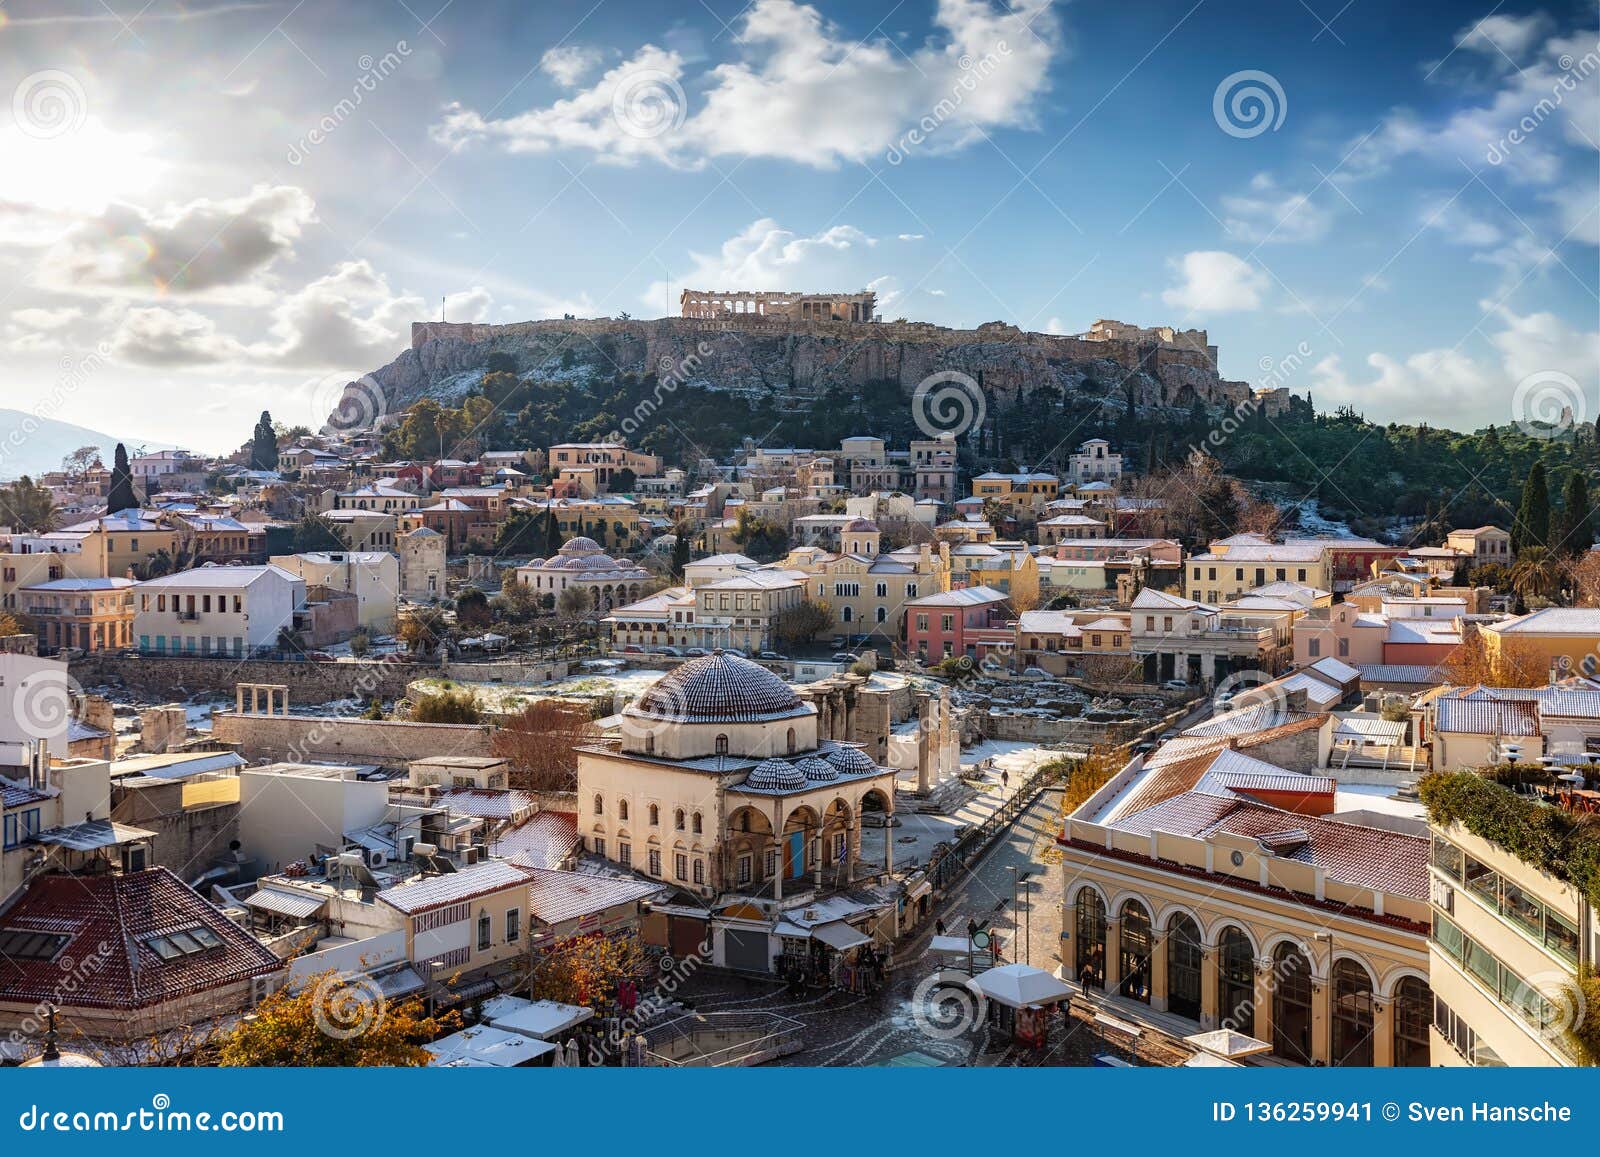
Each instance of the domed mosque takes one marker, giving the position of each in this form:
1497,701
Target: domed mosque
583,563
720,786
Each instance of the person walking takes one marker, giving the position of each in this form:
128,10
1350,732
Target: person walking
938,927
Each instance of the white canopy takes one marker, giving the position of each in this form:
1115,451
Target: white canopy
840,936
487,1045
1021,985
540,1019
1224,1042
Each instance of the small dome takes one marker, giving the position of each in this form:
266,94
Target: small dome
775,774
817,770
862,526
719,688
851,761
580,545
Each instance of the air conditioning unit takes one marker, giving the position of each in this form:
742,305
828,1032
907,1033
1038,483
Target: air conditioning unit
471,854
374,858
135,858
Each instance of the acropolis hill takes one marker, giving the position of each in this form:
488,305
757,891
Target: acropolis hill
796,346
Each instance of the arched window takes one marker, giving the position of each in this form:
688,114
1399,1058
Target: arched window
847,615
655,816
622,809
1236,981
883,615
1183,967
599,804
1291,1004
1352,1015
1413,1007
722,745
1133,955
677,820
790,740
698,826
1091,928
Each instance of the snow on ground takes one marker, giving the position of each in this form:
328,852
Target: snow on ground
618,688
1375,797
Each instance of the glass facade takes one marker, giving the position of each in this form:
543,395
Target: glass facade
1183,967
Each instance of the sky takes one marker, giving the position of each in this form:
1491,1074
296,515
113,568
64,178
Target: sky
212,208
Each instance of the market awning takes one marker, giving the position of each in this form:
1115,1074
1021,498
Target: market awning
1224,1042
282,903
840,936
1021,985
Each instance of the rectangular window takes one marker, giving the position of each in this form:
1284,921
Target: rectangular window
771,863
655,861
485,932
625,855
513,925
744,869
699,872
680,866
599,845
1314,648
11,831
1447,858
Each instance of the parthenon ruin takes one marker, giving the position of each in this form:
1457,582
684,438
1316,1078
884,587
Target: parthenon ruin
718,304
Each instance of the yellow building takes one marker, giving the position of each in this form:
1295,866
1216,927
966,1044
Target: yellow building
90,614
463,921
118,542
1234,893
868,591
26,570
1233,566
1564,640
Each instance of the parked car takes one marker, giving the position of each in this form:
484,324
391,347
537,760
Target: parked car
696,652
1175,685
771,656
734,651
673,651
843,657
633,649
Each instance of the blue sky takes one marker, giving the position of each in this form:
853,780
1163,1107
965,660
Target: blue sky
211,208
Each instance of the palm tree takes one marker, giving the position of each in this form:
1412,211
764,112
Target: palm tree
1537,573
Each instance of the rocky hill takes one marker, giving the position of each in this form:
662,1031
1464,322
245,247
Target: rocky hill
798,361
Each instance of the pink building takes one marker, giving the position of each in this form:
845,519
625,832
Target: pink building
969,622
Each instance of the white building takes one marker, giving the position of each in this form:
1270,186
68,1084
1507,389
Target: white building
217,610
609,582
373,576
287,811
1094,462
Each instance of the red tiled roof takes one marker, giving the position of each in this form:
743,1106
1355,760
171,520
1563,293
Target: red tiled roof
110,920
414,896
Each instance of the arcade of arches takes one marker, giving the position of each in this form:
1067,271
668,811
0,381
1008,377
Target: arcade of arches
1352,1014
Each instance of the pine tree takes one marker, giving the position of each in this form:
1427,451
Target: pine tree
264,445
1532,524
680,550
1577,517
121,496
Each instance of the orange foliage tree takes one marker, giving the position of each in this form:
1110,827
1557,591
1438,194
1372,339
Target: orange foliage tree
334,1022
540,743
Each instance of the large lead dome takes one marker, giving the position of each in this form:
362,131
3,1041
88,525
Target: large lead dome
719,688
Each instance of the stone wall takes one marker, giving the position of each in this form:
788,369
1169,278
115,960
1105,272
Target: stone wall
387,742
164,680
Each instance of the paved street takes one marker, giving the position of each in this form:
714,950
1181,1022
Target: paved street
845,1029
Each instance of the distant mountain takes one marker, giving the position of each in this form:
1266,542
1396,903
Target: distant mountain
32,445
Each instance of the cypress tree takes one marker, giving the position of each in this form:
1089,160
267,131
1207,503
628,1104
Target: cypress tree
552,533
264,445
680,550
1532,525
1577,517
121,495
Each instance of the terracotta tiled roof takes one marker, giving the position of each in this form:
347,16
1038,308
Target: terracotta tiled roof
545,841
423,895
113,919
557,896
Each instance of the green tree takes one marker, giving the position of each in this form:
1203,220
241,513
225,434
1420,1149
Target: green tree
1537,573
313,532
1532,524
120,496
680,549
803,622
472,608
553,538
522,533
25,506
264,445
447,706
1577,517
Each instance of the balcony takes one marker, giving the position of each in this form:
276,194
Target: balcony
188,616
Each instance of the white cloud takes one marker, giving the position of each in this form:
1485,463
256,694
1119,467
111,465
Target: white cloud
1268,213
347,320
800,91
764,255
1215,282
909,237
1551,101
45,319
569,63
202,247
1474,392
1500,33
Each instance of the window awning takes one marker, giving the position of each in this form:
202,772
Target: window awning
840,936
283,903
